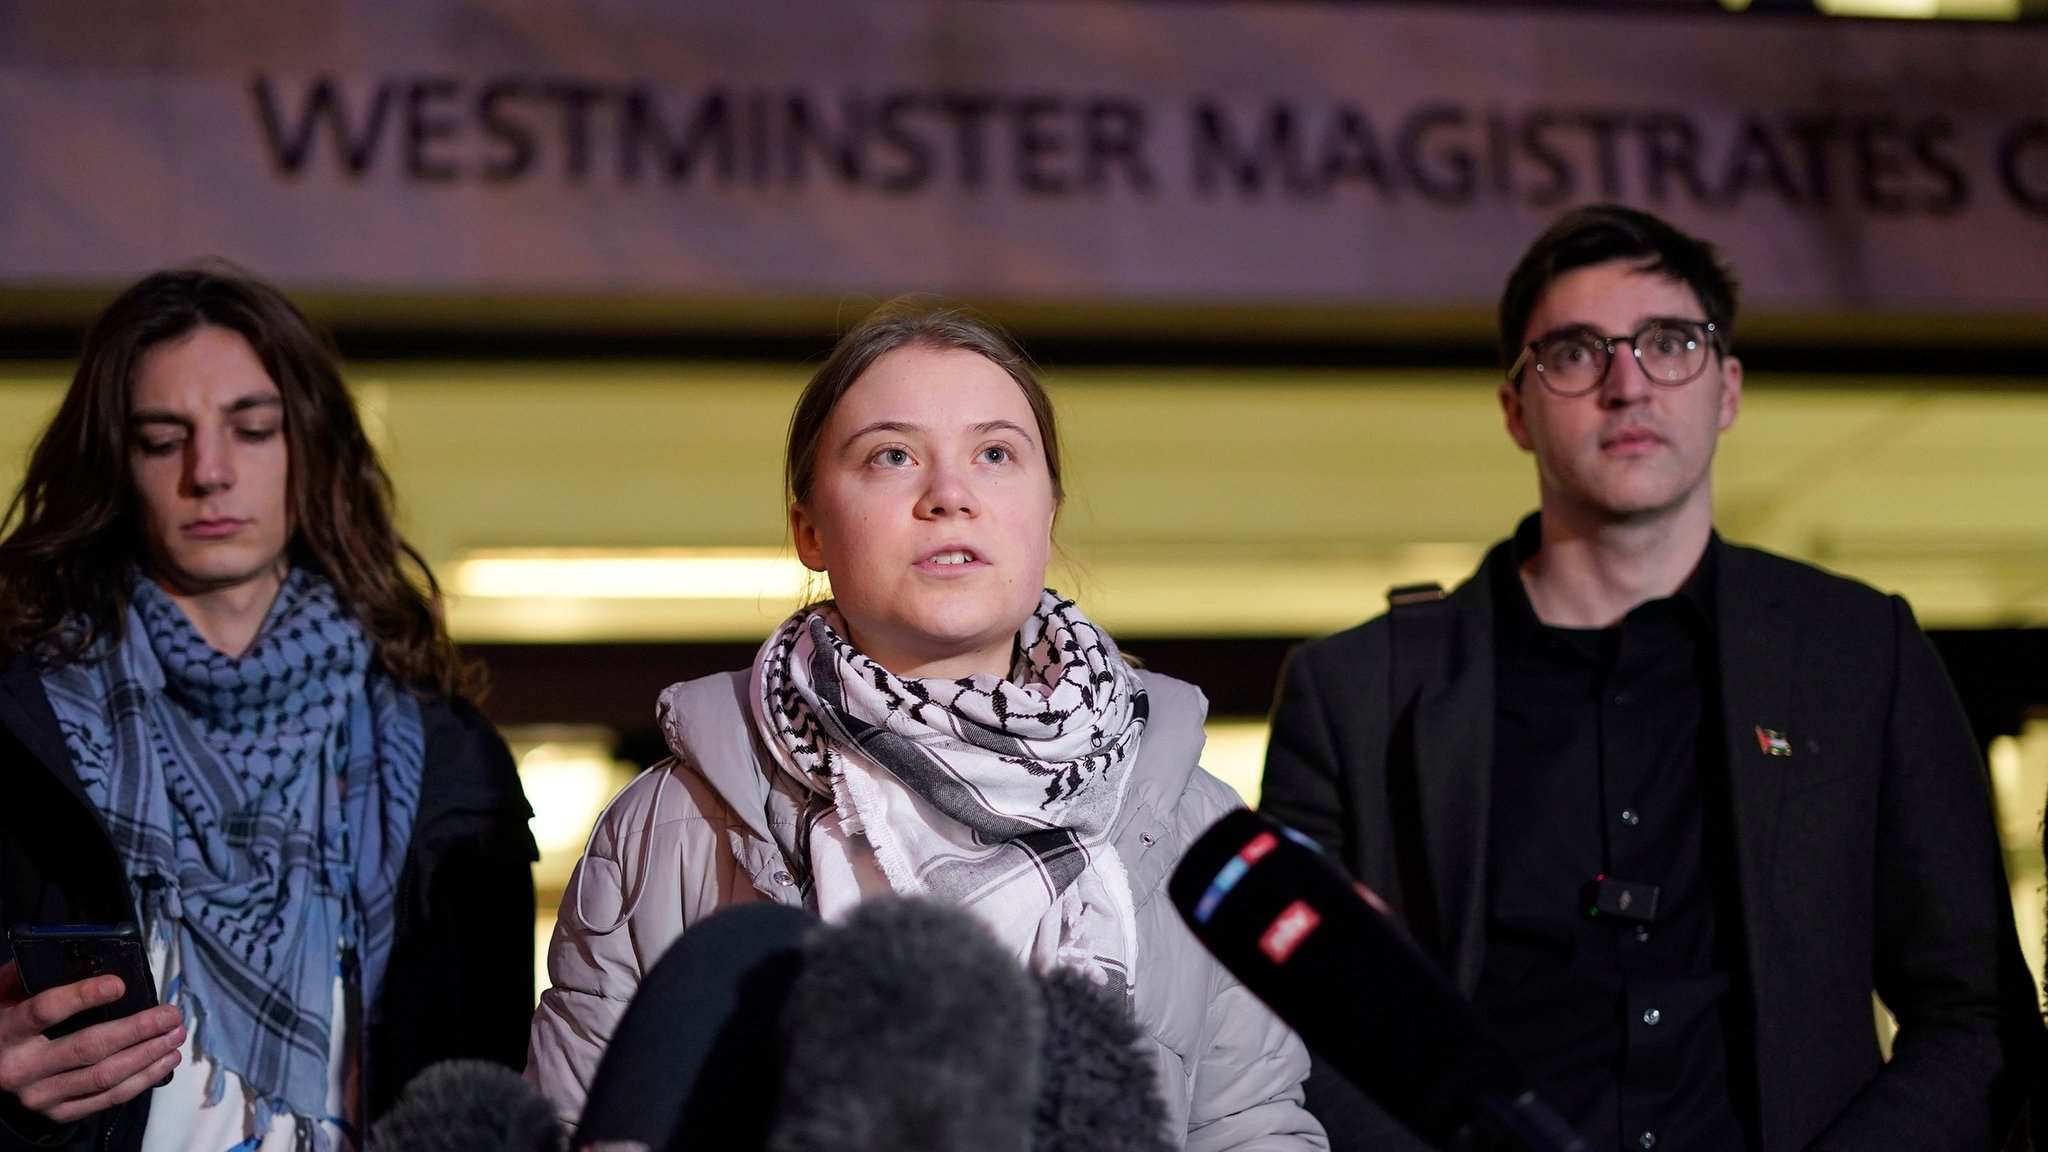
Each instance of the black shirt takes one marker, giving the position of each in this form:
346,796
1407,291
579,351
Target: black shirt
1608,764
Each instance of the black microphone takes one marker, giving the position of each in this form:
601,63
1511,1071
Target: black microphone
1325,955
468,1106
696,1060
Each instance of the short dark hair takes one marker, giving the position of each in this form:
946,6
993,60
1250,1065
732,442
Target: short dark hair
71,540
909,322
1602,233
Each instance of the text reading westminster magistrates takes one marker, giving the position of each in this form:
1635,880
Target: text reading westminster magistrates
444,129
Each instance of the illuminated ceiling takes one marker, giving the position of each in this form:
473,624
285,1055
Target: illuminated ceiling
1223,502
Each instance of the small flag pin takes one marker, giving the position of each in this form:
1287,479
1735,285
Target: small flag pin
1772,743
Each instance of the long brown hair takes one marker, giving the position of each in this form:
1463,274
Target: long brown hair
73,538
908,321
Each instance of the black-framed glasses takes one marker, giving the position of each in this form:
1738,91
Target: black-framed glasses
1572,361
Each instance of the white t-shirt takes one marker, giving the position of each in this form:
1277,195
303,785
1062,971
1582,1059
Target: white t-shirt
181,1121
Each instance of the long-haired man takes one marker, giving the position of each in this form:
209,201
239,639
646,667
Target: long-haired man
231,716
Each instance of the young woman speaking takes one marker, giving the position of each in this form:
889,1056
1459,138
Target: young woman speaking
943,726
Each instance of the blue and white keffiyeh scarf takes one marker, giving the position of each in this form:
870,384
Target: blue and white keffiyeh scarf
995,794
262,806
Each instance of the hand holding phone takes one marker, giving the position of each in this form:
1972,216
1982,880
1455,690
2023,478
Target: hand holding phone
53,955
66,1077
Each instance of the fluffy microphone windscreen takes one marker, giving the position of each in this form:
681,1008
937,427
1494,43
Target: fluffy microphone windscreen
1100,1090
909,1030
468,1106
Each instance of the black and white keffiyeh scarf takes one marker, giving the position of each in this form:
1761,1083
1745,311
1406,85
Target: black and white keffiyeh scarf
997,795
262,805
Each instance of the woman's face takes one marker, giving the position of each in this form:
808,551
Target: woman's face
931,510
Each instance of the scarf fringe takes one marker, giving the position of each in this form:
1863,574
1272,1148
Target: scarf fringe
854,790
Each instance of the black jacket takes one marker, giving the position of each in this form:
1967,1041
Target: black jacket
460,980
1865,859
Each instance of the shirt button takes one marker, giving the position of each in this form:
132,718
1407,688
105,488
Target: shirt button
1647,1139
1642,934
1630,818
1651,1016
1621,699
784,879
1147,839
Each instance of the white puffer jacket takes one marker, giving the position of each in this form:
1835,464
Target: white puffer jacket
706,829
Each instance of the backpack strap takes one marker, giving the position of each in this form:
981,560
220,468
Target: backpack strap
1418,655
1419,638
1418,641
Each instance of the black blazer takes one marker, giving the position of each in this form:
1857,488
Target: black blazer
1867,859
460,977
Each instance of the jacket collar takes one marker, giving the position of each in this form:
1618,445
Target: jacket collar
1515,621
25,711
1454,772
1149,836
1171,749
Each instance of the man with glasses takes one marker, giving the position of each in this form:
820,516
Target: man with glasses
1669,810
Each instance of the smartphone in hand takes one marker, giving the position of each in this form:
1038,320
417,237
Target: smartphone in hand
53,955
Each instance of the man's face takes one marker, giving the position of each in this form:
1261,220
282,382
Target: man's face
1629,449
206,427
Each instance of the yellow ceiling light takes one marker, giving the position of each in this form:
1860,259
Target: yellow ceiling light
1234,752
595,595
569,775
1923,9
1883,9
582,596
614,574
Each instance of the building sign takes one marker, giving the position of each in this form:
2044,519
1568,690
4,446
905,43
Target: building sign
1123,152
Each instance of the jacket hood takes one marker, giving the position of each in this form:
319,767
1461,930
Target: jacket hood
1171,749
709,725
